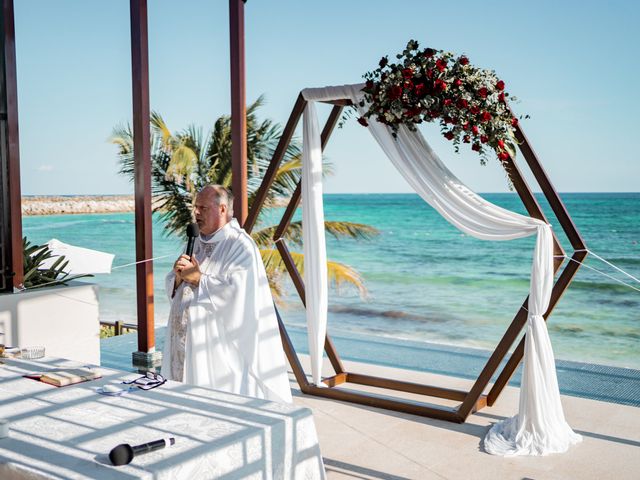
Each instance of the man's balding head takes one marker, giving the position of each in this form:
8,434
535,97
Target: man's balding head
213,208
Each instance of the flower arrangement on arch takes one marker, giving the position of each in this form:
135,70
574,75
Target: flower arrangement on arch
432,85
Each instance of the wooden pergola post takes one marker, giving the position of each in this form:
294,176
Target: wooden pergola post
146,356
12,274
238,111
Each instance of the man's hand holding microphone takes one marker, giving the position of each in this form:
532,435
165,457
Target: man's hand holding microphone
187,268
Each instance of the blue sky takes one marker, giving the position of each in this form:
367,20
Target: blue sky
573,65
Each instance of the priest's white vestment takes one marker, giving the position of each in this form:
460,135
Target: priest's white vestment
223,333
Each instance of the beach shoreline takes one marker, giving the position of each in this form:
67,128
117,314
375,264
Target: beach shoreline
76,204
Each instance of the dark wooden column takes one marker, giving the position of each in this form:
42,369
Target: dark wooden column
10,197
146,355
238,110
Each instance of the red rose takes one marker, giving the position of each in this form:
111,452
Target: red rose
503,155
412,112
420,89
514,122
465,126
484,138
447,101
429,73
474,110
462,103
475,147
447,119
483,92
363,121
501,144
457,82
500,85
429,52
475,130
501,97
448,135
395,92
485,117
463,61
407,73
369,84
466,139
441,65
408,84
440,85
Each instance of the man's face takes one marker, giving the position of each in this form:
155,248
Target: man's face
210,217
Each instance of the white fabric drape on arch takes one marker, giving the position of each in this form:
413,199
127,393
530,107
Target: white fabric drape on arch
539,427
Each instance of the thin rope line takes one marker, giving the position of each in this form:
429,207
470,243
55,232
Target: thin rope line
602,273
142,261
612,265
113,268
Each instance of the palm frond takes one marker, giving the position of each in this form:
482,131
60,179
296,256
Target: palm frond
338,230
160,129
340,275
182,165
357,231
264,236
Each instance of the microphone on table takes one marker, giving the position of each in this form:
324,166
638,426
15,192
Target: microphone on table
124,453
192,233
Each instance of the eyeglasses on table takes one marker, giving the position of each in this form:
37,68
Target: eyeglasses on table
147,381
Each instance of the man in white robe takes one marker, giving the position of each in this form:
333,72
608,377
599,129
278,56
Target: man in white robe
223,331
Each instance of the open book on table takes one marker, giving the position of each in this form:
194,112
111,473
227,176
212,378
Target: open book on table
66,376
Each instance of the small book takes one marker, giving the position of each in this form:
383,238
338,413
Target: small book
69,376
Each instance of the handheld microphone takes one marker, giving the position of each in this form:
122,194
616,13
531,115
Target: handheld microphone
124,453
192,233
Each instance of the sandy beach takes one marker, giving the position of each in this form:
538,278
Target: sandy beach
54,205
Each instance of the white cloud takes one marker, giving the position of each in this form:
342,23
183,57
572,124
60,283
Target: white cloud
45,168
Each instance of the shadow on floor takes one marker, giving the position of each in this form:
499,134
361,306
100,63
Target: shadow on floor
356,471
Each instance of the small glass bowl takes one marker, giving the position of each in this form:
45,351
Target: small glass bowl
31,353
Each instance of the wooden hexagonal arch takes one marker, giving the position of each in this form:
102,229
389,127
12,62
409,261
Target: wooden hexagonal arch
475,398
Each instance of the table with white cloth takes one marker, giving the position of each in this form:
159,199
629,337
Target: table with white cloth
68,432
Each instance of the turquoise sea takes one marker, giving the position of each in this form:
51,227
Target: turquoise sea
426,281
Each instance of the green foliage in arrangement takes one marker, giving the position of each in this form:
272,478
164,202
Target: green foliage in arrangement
35,275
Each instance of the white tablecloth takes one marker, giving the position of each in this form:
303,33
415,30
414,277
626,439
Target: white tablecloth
68,432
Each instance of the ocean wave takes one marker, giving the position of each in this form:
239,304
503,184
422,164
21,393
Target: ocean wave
116,222
620,261
568,329
601,286
56,225
387,314
405,278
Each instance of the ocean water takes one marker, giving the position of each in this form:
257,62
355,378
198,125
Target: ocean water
426,281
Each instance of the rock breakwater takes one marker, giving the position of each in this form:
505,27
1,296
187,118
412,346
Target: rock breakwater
58,205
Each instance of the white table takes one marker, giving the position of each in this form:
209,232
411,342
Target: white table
68,432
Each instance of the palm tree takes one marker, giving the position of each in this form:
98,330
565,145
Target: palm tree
184,162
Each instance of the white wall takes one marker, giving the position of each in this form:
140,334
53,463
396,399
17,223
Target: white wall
63,319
